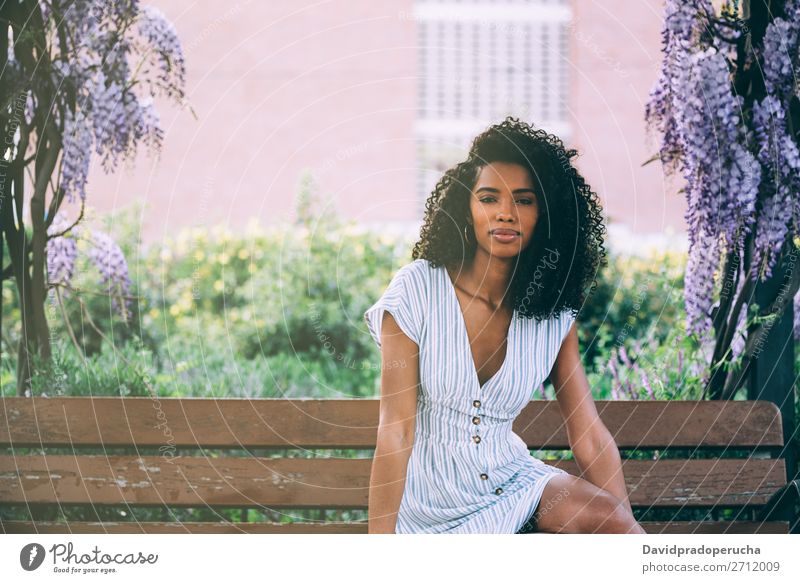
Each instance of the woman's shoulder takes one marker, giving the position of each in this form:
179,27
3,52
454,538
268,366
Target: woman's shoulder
418,269
418,264
417,273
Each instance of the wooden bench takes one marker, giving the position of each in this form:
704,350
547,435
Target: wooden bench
237,453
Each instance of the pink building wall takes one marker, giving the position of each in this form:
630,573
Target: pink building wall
283,87
617,53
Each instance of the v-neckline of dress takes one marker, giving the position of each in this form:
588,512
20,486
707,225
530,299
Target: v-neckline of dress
463,324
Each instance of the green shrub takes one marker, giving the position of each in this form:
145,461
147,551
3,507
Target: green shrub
635,298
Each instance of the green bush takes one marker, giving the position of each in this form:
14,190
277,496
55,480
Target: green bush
285,304
279,313
635,298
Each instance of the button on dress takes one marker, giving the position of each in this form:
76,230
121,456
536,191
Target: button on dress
468,472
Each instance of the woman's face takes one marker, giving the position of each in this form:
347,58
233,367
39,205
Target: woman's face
504,209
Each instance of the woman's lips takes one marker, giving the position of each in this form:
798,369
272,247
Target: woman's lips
504,236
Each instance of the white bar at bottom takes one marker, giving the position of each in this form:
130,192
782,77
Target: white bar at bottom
386,558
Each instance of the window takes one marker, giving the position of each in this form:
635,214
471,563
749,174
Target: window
479,61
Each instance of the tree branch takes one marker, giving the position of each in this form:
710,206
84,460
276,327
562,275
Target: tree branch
69,326
51,217
78,291
754,337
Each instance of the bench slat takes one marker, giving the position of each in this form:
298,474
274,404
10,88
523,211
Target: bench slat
336,483
20,527
352,423
716,527
658,424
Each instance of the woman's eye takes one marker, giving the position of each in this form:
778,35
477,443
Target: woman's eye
519,200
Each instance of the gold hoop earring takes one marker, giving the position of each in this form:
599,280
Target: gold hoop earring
466,236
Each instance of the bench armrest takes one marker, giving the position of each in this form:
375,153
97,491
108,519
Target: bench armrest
782,505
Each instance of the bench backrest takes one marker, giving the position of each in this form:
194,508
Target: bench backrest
255,452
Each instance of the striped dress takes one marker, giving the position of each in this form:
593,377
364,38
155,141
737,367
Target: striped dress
468,472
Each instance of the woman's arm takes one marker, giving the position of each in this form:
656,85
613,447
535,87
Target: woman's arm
592,444
398,410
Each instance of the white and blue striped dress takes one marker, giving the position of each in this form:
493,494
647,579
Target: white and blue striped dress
468,472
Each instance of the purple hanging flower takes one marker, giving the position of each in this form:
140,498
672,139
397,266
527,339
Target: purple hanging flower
683,18
778,152
76,155
120,121
737,178
105,254
113,111
701,264
722,175
110,262
703,134
61,254
162,38
779,53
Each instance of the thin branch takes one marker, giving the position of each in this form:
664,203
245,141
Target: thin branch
776,308
69,326
78,290
748,290
50,218
731,272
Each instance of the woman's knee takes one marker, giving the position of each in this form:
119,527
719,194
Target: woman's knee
613,517
597,513
584,508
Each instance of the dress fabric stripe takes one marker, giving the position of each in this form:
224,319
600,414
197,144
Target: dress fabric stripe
455,483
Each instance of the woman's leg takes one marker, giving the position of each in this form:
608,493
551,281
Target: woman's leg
574,505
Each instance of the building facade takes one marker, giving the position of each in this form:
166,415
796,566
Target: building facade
371,101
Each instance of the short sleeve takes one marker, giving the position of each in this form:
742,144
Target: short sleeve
565,320
403,298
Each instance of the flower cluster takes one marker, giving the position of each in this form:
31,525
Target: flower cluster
682,19
169,68
104,253
113,58
61,254
120,120
779,57
622,387
777,150
110,262
76,155
722,178
739,179
650,369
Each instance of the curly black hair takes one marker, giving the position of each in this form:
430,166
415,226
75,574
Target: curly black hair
570,224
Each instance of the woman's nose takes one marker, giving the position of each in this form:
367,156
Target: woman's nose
506,209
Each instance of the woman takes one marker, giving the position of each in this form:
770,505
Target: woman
512,238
